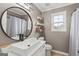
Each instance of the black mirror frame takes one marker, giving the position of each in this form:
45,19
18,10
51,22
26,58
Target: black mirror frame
25,12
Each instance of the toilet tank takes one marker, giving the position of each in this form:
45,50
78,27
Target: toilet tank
41,38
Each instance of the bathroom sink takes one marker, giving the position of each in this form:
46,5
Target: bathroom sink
26,43
25,48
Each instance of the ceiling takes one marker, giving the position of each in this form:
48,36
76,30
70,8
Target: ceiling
48,6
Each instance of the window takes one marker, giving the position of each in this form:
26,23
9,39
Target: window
58,21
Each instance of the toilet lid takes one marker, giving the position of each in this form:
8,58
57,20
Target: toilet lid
48,46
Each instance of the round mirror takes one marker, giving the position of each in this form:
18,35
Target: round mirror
16,23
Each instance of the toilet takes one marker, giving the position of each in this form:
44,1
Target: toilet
48,49
47,46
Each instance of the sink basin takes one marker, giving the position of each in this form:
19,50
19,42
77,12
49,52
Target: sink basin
27,47
26,43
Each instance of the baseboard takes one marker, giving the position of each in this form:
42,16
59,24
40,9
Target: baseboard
60,52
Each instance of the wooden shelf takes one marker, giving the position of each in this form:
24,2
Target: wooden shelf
42,24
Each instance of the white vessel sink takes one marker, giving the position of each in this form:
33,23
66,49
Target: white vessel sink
25,48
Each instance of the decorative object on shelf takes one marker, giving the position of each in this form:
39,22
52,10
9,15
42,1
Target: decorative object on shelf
40,19
39,28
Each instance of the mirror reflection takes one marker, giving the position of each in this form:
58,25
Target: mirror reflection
16,23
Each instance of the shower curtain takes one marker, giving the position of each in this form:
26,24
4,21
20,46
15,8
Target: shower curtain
74,34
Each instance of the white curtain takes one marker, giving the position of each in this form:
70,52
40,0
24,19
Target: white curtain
16,26
74,34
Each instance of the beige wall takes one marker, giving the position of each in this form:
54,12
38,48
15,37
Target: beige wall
59,40
34,13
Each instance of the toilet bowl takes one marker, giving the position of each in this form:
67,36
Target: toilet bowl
47,46
48,49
